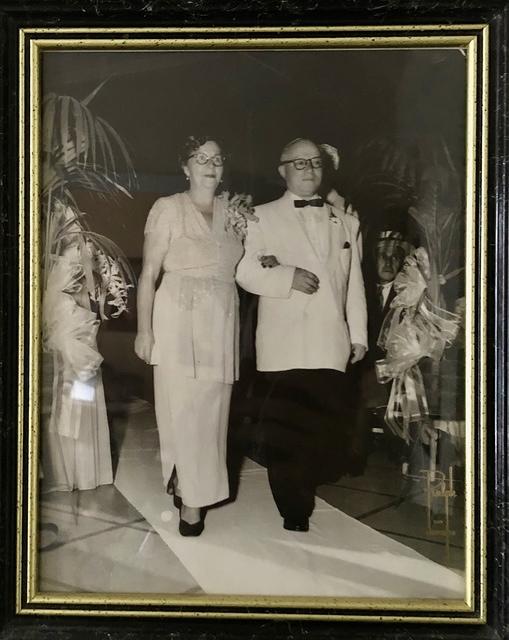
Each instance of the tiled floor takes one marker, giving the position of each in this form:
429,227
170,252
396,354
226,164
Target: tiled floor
96,541
375,499
103,544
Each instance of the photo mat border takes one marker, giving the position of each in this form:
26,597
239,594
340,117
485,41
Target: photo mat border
29,601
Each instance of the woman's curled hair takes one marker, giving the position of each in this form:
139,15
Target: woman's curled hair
192,143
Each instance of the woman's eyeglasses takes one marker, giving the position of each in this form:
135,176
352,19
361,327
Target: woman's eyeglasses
302,163
203,158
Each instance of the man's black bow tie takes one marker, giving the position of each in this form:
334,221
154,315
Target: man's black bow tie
317,202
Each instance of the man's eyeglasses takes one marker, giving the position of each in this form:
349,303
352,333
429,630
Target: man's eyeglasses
302,163
203,158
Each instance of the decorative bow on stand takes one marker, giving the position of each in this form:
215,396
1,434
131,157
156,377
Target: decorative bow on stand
413,329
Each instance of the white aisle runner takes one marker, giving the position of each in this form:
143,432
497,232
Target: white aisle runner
245,550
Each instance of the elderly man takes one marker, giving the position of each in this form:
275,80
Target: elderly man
390,251
302,258
383,262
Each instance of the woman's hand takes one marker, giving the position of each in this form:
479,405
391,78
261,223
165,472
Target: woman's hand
339,202
336,200
143,345
268,262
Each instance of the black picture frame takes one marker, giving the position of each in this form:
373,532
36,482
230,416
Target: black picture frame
198,13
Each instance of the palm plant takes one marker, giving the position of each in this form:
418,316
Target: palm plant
86,279
420,173
82,151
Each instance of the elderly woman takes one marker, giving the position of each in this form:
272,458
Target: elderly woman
188,329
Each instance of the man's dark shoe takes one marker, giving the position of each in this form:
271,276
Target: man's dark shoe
296,525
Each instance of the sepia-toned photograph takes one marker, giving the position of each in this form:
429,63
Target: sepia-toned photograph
254,280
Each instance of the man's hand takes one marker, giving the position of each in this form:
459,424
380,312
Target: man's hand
268,262
305,281
358,352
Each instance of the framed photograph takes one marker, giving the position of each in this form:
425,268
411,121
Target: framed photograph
253,344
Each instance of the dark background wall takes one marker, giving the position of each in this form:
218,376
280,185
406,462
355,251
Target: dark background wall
255,101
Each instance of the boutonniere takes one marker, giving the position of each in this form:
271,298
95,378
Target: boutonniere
238,210
333,217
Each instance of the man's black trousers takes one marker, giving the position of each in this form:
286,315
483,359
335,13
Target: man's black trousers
307,420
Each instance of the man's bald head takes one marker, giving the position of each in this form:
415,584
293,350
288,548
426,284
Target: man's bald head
303,182
294,146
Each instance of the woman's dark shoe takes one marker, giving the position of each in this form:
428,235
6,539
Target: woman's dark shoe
186,529
177,501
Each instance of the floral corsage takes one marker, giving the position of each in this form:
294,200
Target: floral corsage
238,209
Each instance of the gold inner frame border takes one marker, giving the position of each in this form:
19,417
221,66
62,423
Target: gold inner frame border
476,141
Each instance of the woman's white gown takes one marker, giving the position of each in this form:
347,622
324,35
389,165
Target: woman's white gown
195,354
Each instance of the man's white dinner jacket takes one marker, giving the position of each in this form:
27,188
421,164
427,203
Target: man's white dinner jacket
298,330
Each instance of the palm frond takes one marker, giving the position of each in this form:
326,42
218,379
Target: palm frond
110,248
85,177
123,150
86,101
83,152
91,138
48,122
65,228
70,198
107,149
67,148
81,140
